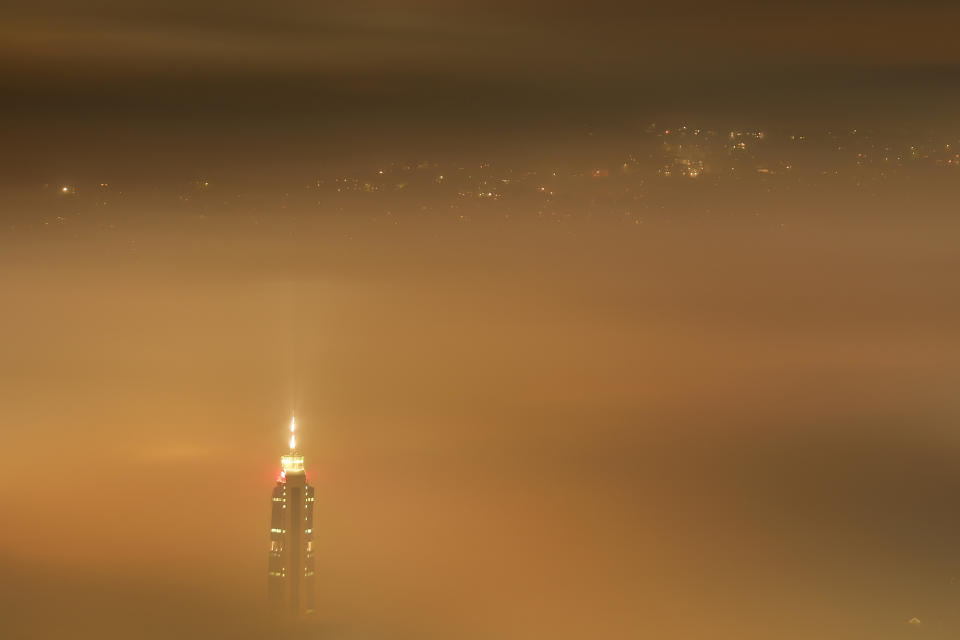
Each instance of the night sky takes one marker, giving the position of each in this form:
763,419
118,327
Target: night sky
612,319
155,82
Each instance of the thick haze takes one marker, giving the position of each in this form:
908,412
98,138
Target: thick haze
725,430
603,320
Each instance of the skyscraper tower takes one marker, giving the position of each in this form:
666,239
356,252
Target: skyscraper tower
291,580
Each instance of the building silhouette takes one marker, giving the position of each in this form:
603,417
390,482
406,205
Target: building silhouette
291,589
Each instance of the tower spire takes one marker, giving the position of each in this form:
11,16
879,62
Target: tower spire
292,461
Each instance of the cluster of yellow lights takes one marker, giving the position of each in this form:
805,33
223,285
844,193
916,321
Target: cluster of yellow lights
292,463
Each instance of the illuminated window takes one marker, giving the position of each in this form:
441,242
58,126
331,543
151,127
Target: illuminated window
292,463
